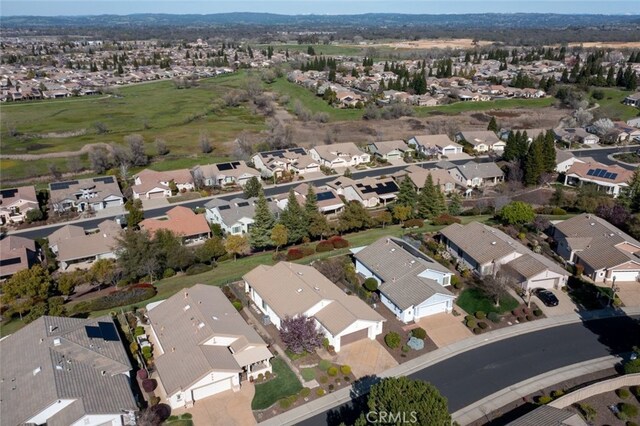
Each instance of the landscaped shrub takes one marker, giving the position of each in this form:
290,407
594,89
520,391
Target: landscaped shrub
331,388
544,399
517,312
623,393
332,371
537,312
392,339
472,323
529,318
139,331
635,390
198,268
455,282
405,348
588,412
347,378
557,211
419,333
284,403
323,379
294,254
128,295
413,223
307,250
133,347
320,392
325,343
305,392
324,364
168,273
154,400
324,246
445,219
469,318
628,410
521,319
371,284
630,423
345,369
477,330
557,393
308,374
187,415
338,242
493,317
260,377
146,350
142,374
149,385
267,375
481,315
483,325
237,304
632,366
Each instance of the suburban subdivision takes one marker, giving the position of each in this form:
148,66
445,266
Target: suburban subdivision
318,214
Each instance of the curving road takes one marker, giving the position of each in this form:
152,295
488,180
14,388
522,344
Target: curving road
475,374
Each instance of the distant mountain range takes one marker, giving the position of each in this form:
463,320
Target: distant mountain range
515,20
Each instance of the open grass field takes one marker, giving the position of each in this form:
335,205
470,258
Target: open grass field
611,106
483,106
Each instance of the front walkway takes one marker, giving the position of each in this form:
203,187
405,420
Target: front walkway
444,329
365,357
227,408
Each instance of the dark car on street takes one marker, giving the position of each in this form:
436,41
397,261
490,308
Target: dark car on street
546,296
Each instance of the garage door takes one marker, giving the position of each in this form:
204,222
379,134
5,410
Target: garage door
546,283
622,276
211,389
449,151
423,311
159,194
354,337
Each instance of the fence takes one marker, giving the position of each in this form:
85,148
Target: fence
596,389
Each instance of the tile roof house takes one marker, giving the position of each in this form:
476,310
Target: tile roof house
411,284
369,192
339,155
605,252
610,178
16,254
235,216
473,174
482,141
546,415
564,160
418,177
73,246
224,174
288,290
203,345
327,198
152,184
76,373
389,150
292,160
85,194
576,135
16,202
439,145
183,222
486,250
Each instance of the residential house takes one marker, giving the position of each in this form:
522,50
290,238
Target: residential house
565,159
389,150
290,290
481,141
225,174
632,100
183,222
531,133
16,254
370,191
327,199
634,122
576,135
292,160
66,371
486,250
473,174
418,176
606,253
625,132
339,155
609,178
439,145
234,216
203,346
72,245
411,284
15,203
152,184
546,415
85,194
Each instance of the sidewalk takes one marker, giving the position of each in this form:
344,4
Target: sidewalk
341,396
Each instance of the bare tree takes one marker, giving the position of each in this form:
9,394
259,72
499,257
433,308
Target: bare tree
198,178
205,143
496,285
602,126
243,148
54,171
136,150
583,117
99,159
161,147
120,155
332,268
74,165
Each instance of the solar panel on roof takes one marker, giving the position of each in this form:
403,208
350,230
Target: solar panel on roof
225,207
8,262
600,173
297,150
8,193
93,332
235,164
328,195
243,204
613,176
591,172
225,166
106,179
108,331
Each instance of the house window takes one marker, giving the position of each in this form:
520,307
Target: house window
264,305
179,397
236,229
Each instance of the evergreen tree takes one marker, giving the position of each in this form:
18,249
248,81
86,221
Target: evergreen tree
455,204
407,193
534,163
427,199
565,76
493,124
549,152
311,202
611,79
440,205
263,222
510,149
293,219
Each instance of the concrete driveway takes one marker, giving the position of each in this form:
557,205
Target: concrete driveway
629,293
366,357
565,304
444,329
226,408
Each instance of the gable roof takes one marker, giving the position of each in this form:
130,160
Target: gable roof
399,265
64,362
338,150
439,141
385,147
101,242
291,289
479,137
186,325
150,179
16,254
181,221
25,193
236,209
418,176
472,169
100,188
592,170
545,415
234,168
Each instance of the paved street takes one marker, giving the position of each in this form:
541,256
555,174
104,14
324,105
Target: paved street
475,374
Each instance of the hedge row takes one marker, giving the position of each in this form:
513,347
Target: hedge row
296,253
126,296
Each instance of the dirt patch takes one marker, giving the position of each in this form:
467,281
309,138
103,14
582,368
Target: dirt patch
453,43
609,44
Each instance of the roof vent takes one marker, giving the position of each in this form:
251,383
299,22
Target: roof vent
56,342
299,290
592,224
493,243
316,288
215,317
201,325
299,273
59,367
37,370
186,307
393,249
104,373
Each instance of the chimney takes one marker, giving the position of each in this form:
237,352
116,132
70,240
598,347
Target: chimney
186,294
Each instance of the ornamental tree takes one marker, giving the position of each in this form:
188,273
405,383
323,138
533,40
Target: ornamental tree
517,213
300,334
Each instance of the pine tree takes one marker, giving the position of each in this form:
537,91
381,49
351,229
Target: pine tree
426,198
534,163
407,193
511,148
440,205
293,219
310,205
263,222
493,125
455,204
611,79
549,152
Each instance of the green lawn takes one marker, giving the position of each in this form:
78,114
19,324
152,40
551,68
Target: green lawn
611,106
472,300
285,384
459,107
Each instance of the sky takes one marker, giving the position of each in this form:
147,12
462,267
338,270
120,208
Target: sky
331,7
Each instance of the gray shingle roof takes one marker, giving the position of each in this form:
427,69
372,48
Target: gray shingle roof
549,416
472,170
53,358
238,208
